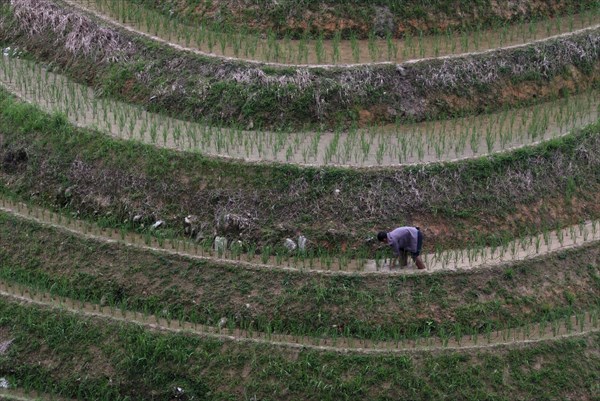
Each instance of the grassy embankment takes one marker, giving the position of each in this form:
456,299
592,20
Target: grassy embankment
373,307
548,186
90,359
216,91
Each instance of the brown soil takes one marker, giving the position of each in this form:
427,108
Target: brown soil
331,18
575,80
513,94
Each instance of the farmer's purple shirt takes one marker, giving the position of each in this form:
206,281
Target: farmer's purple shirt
403,238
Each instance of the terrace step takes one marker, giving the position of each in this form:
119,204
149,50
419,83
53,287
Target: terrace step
467,259
392,145
575,326
328,53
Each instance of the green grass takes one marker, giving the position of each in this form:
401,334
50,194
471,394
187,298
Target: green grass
473,15
377,308
225,92
140,179
64,355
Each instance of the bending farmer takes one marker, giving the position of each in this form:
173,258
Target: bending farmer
404,239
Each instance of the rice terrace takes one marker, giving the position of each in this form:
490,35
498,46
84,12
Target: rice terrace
198,198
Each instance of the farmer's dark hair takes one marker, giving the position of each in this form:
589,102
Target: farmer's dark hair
381,235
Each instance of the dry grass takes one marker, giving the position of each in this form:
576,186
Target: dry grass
545,58
80,33
390,92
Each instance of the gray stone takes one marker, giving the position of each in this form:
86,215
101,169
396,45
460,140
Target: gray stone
69,192
10,52
158,224
4,346
290,244
231,223
190,225
220,244
4,383
137,218
302,243
401,70
222,322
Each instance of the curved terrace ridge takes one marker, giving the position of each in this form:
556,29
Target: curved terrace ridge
575,326
326,19
423,50
468,259
391,145
235,93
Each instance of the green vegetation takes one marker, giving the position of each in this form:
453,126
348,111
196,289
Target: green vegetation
136,364
99,156
112,181
373,307
227,92
356,17
329,43
356,147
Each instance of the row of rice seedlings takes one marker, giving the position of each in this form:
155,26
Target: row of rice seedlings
390,145
170,241
214,38
475,254
508,249
274,330
445,335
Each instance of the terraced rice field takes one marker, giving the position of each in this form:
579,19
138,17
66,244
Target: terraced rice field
188,211
390,145
329,52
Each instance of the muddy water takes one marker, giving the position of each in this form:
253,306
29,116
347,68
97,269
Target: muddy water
330,52
574,326
390,145
469,258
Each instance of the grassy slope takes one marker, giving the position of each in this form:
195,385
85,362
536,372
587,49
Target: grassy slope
87,359
235,93
366,307
554,184
362,17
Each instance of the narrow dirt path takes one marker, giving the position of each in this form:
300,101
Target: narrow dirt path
467,259
574,326
393,145
21,395
327,53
